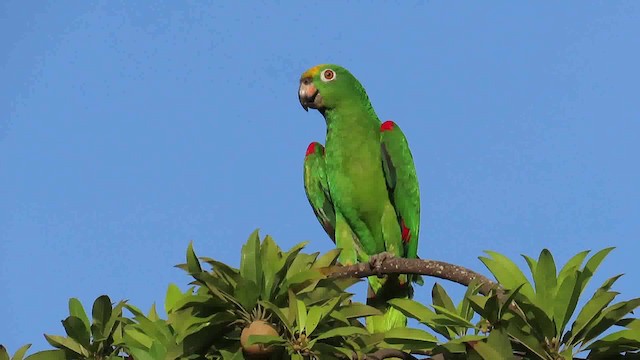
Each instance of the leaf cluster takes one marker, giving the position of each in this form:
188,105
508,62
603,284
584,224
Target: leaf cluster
311,316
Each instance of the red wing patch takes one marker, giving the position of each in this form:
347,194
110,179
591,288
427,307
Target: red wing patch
311,149
387,126
406,233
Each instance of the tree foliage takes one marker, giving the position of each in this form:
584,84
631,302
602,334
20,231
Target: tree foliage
290,305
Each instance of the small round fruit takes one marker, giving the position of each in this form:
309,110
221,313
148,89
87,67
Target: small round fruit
258,327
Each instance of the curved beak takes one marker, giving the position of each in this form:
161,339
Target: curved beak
308,95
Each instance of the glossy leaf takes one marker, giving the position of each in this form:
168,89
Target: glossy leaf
609,317
265,339
591,266
48,355
19,354
174,294
76,309
396,335
75,329
507,273
193,265
246,293
250,262
590,311
545,281
342,331
101,312
562,306
572,265
62,342
356,310
441,298
497,346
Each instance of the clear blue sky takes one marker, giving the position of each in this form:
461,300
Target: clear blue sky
127,130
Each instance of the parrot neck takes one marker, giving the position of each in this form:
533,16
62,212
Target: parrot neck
353,117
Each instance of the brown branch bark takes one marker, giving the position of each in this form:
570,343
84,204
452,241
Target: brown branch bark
433,268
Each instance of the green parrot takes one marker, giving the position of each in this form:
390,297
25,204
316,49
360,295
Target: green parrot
363,185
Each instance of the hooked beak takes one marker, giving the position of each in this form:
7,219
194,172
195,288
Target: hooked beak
308,95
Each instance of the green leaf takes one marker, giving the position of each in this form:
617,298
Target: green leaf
141,354
531,262
545,281
227,355
266,339
114,319
520,330
413,309
62,342
342,331
441,298
48,355
193,265
223,271
301,262
479,303
313,319
75,329
137,338
356,310
398,335
572,265
464,308
539,319
276,310
270,255
4,355
302,314
496,347
173,295
158,351
250,262
609,283
18,355
246,293
507,273
76,309
101,312
591,266
303,276
327,259
610,316
562,307
456,319
589,312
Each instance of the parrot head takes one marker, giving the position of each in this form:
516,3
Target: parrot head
327,86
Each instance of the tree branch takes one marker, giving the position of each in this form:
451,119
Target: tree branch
396,265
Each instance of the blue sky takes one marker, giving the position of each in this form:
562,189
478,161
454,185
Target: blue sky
127,130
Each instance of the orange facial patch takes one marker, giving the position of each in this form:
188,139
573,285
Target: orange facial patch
311,72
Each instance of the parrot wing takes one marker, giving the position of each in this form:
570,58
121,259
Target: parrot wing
402,182
317,188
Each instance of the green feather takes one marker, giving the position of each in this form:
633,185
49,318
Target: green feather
317,189
371,182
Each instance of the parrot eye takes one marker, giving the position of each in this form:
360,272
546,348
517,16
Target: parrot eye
327,75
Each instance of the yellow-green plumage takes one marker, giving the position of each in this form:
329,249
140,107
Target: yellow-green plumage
371,182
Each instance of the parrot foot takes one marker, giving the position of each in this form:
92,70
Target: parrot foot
376,262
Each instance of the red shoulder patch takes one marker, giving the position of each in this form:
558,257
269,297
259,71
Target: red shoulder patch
387,126
406,233
311,149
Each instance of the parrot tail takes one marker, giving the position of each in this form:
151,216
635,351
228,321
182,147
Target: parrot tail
382,290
